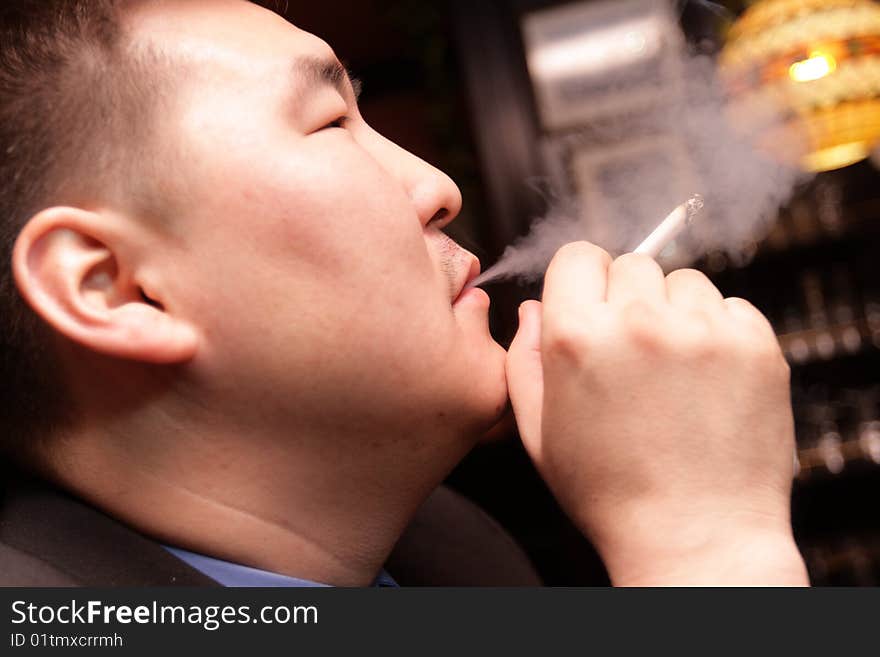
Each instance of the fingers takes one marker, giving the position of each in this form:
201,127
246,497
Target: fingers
689,289
582,276
743,311
576,280
757,337
635,278
525,381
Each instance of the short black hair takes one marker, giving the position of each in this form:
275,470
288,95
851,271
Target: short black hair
75,103
54,97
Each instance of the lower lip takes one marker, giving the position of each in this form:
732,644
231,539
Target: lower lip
472,295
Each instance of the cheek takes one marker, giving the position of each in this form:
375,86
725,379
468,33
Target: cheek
327,237
334,205
353,225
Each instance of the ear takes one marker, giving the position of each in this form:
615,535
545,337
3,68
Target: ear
68,266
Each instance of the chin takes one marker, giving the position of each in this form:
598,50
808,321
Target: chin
488,400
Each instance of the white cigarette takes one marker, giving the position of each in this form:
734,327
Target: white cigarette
671,227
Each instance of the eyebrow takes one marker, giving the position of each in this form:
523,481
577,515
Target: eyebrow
312,72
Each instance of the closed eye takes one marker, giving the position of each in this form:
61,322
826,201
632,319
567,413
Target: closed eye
336,123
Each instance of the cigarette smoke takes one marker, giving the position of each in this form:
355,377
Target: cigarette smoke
697,150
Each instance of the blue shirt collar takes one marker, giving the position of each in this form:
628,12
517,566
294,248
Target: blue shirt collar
235,575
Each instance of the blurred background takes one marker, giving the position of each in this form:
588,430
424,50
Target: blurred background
514,99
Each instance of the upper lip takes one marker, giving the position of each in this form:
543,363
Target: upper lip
466,276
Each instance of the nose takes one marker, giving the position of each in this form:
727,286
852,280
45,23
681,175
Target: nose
435,196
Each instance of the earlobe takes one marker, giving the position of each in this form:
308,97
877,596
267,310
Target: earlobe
71,269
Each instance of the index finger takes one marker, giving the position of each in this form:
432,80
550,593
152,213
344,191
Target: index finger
577,278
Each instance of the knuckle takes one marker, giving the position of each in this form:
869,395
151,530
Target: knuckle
582,249
747,314
689,278
746,310
699,338
640,324
566,341
761,351
770,354
635,260
738,303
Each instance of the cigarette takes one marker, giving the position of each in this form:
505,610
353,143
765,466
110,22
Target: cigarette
671,227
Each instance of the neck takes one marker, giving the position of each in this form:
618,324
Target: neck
327,508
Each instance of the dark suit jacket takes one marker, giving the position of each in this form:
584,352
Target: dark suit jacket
48,538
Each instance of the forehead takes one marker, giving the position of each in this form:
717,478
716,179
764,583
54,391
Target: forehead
236,33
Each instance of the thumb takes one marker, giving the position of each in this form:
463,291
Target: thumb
525,377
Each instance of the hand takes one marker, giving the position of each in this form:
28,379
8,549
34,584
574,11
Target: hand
659,414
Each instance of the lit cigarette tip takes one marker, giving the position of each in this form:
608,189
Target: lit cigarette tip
694,206
671,227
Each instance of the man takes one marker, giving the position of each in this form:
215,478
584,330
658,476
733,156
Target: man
255,343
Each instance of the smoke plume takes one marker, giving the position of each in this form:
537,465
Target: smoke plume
697,150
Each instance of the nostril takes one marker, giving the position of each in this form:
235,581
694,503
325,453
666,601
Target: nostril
440,215
149,301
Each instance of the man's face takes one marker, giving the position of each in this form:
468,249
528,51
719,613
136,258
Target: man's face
309,249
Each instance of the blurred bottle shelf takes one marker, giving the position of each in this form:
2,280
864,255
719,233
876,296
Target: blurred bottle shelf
852,561
803,226
837,428
833,455
809,345
814,272
838,211
816,277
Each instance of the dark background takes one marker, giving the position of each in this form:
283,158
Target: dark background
447,80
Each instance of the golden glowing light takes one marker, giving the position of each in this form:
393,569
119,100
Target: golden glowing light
816,67
803,78
834,157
